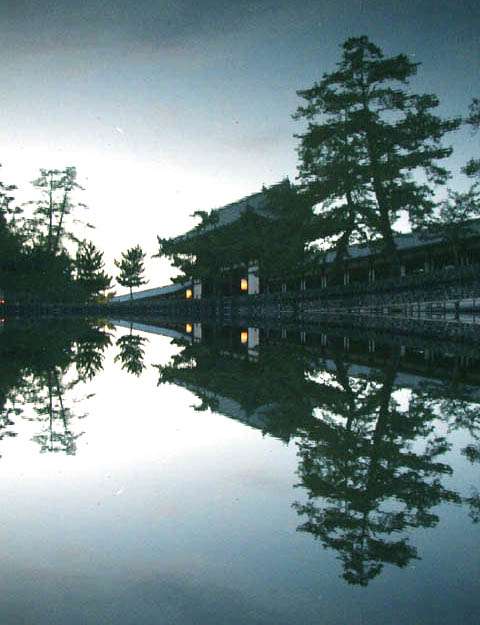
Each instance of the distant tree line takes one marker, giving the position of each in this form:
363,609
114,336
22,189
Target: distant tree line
36,261
36,243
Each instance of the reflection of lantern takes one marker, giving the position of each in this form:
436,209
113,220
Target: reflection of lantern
188,293
244,337
188,328
244,284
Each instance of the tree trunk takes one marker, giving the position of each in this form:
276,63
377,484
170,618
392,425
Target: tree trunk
50,214
382,201
342,243
60,223
389,243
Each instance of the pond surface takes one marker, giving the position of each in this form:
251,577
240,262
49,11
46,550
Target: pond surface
184,474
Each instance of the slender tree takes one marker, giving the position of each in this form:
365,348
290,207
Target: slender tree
358,161
9,239
48,226
472,168
453,222
131,268
89,270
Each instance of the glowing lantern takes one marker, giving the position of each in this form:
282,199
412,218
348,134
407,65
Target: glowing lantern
244,284
188,293
244,337
188,328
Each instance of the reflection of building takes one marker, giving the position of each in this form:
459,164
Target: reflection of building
292,376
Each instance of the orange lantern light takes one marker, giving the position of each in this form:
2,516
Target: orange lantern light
188,293
244,336
244,284
188,328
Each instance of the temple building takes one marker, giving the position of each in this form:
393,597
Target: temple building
252,246
245,231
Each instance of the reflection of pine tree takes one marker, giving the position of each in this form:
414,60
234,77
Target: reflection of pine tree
89,354
372,470
57,435
474,504
452,403
6,414
463,414
39,362
131,353
373,483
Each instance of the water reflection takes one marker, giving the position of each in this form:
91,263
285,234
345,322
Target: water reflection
131,352
371,455
372,422
37,376
369,480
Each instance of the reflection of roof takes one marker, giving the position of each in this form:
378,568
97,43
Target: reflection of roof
403,379
143,327
230,407
402,241
231,212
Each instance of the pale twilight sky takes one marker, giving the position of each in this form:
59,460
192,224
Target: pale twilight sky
167,107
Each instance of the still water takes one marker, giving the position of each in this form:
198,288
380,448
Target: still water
154,473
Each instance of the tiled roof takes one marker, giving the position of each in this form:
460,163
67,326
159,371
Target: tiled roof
231,212
162,290
402,241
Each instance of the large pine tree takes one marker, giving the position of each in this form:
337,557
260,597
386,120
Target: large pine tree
359,159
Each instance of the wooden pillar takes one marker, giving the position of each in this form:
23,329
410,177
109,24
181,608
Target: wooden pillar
253,278
197,332
197,289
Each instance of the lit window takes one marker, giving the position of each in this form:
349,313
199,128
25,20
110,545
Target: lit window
188,293
244,337
244,284
188,328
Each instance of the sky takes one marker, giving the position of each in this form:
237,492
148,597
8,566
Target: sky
167,107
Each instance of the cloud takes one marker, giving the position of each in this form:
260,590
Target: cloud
63,24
